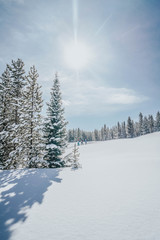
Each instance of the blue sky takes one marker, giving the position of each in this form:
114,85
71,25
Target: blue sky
122,75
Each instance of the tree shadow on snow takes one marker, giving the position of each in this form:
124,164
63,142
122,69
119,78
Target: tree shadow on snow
20,189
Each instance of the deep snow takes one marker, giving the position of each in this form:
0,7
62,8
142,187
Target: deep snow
114,196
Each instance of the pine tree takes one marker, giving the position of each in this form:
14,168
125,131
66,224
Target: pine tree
123,130
145,126
140,124
70,135
118,130
16,156
84,136
105,132
114,132
102,134
136,129
79,134
150,123
111,133
96,135
75,158
5,118
157,121
32,120
130,130
55,128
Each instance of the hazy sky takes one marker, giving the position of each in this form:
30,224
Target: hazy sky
121,75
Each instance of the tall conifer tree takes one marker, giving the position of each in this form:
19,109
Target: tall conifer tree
55,128
140,124
130,129
5,118
16,156
33,121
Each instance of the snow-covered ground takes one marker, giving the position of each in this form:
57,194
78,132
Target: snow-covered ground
114,196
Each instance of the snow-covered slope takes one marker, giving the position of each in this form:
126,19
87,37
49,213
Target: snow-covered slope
114,196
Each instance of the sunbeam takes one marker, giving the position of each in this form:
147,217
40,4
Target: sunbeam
104,23
75,19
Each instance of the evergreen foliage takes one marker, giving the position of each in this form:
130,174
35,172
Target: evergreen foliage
5,118
150,123
55,128
15,147
33,121
140,124
20,119
75,160
130,129
123,130
118,130
157,121
22,139
145,125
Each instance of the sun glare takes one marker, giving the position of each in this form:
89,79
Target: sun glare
77,55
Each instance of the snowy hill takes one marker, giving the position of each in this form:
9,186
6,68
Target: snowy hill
114,196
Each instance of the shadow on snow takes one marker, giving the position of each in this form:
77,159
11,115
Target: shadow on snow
19,190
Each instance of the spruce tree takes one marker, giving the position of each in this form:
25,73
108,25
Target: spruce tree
55,128
123,130
151,123
5,118
157,121
102,134
140,124
33,121
118,130
75,157
96,135
16,156
79,134
145,126
105,132
130,130
136,129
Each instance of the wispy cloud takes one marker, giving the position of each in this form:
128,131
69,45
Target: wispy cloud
87,98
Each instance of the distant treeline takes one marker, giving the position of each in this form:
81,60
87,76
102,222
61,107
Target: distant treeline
129,129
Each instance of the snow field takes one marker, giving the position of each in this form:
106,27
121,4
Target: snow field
114,196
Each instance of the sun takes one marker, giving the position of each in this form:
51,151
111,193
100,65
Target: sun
77,55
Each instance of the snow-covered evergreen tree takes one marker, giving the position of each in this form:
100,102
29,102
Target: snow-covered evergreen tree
145,126
157,123
55,128
140,124
16,156
123,130
102,134
130,130
105,133
136,129
75,157
118,130
32,120
79,134
151,123
111,134
5,118
96,135
70,136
